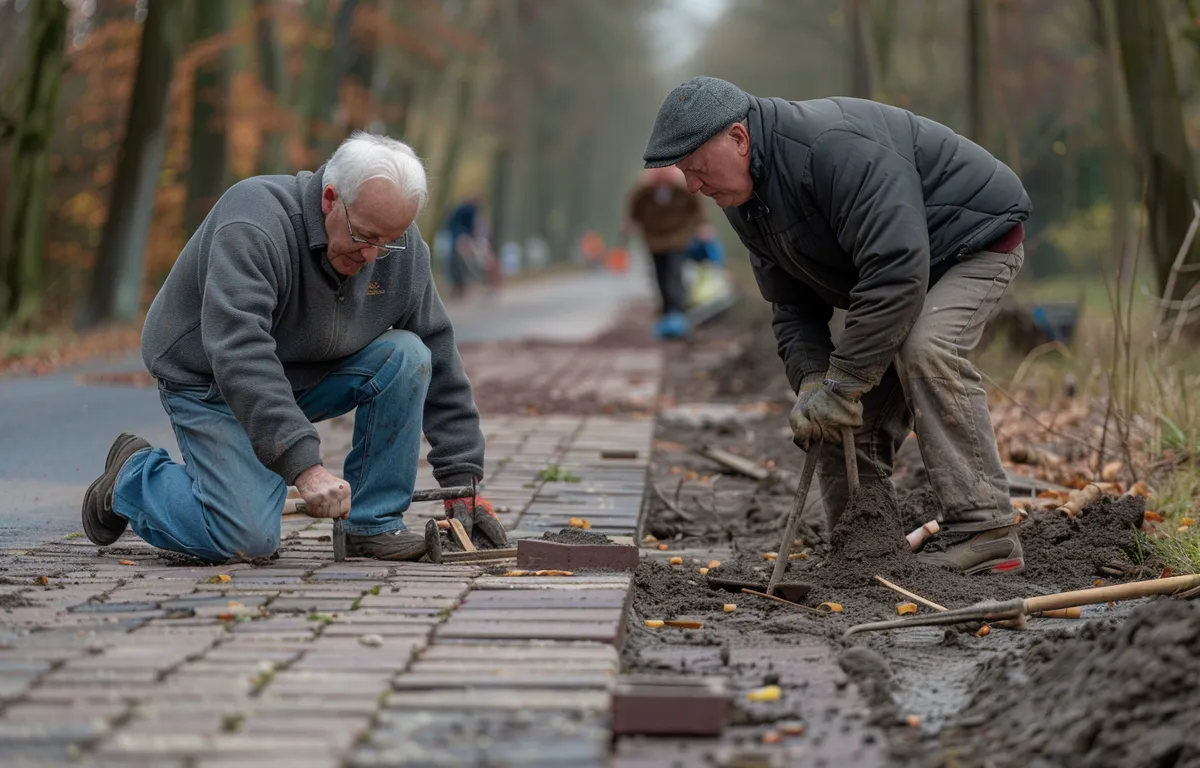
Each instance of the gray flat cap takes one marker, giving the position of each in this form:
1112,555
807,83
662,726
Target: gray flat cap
692,114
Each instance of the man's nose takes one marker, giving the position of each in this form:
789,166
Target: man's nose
693,184
370,253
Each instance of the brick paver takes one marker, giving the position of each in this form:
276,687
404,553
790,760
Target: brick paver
130,656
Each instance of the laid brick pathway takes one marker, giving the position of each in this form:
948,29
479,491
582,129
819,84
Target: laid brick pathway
128,656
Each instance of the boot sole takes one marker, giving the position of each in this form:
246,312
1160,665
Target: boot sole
99,536
1003,565
104,536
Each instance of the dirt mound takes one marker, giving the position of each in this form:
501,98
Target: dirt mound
1116,695
1069,553
577,536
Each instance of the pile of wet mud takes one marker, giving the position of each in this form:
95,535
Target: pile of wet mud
1118,694
869,541
1061,553
578,536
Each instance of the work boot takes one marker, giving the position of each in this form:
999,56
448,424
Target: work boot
997,550
102,525
401,544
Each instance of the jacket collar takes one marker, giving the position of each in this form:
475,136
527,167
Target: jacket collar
311,185
755,208
758,144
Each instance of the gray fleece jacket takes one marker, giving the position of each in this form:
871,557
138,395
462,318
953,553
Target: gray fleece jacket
253,304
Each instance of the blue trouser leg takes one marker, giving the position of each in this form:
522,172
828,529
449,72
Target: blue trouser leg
223,502
386,382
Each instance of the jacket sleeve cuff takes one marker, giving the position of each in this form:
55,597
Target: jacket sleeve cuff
463,478
852,381
305,453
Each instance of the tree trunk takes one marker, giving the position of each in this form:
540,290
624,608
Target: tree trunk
116,280
860,49
1162,144
465,76
206,157
326,66
22,243
273,74
978,86
1112,104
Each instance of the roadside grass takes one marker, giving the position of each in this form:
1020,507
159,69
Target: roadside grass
1148,387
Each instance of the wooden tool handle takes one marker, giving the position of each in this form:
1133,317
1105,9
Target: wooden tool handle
1097,595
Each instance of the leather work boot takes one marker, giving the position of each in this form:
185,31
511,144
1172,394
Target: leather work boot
100,523
401,544
997,550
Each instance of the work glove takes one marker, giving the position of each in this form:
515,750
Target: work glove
477,512
832,406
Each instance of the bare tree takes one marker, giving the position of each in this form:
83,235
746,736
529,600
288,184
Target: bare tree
210,90
21,241
1162,143
978,82
116,280
860,49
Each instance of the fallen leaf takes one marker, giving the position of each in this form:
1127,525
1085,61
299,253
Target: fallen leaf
714,563
1110,471
650,538
914,721
676,561
903,609
703,571
553,572
663,547
1150,516
772,737
684,623
579,522
515,573
126,562
44,581
983,631
1097,582
1187,521
226,616
791,729
772,556
767,693
831,607
729,607
653,623
443,525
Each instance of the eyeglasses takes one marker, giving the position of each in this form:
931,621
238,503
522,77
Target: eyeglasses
385,250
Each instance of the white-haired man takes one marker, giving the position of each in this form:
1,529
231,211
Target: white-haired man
298,299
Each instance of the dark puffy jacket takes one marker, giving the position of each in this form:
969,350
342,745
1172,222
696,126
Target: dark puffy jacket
856,204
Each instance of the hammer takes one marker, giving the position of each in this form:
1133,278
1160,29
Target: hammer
297,506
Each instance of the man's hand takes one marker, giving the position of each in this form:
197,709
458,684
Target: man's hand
481,514
823,414
324,495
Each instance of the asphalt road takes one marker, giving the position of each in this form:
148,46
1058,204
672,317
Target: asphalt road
55,430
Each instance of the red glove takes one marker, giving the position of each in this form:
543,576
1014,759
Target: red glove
481,515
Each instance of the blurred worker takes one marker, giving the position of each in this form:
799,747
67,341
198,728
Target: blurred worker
463,228
667,216
299,299
917,232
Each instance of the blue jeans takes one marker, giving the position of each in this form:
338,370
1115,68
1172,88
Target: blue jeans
222,501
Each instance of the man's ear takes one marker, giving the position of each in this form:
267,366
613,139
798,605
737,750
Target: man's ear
741,138
329,196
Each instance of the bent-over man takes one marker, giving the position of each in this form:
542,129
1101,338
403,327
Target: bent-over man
911,228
